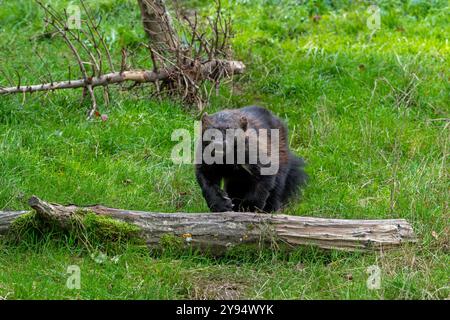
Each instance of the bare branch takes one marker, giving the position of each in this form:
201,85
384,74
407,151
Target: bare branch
141,76
179,68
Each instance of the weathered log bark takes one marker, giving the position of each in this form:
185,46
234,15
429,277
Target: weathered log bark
220,231
7,217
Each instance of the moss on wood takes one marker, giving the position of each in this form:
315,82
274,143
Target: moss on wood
86,228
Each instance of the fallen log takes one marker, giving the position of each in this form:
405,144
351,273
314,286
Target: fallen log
207,70
7,218
220,231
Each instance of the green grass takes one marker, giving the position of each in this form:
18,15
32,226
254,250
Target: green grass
369,112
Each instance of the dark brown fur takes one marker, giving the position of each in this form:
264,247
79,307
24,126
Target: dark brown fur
245,189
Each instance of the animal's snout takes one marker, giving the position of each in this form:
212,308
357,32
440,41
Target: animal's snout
219,147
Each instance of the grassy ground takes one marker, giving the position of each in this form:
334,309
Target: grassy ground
368,111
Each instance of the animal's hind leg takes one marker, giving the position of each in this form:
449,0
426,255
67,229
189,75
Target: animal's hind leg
273,203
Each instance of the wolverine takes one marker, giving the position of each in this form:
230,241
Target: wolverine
262,175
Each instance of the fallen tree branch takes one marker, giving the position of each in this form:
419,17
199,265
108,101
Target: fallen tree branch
180,68
221,231
140,76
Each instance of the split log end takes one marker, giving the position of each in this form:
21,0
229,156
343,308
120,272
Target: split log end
34,201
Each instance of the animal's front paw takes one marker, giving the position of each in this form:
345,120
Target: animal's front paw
222,204
251,205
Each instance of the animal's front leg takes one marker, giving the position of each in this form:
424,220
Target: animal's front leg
256,199
216,199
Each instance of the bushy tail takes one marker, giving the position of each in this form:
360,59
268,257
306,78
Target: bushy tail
296,177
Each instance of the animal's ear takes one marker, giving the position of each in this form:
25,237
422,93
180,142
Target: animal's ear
206,120
244,123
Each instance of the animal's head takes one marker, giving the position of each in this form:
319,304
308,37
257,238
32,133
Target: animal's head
223,131
223,120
